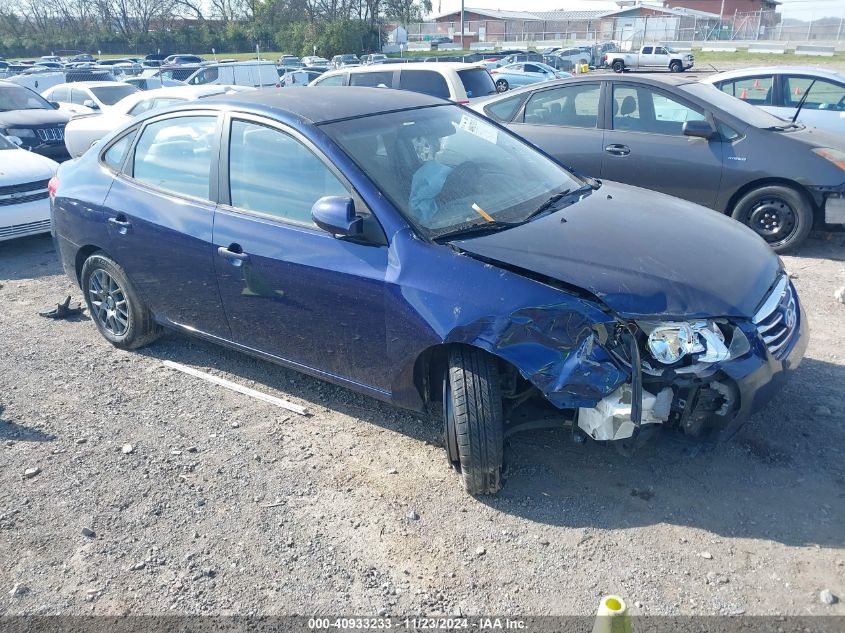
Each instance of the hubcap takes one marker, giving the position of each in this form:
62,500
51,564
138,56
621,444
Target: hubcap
772,218
108,303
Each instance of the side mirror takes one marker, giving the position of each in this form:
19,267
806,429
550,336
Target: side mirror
700,129
89,103
55,105
336,215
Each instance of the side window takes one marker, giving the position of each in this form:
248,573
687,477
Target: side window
114,155
647,50
78,96
570,106
660,51
823,95
372,80
531,68
273,173
754,90
60,94
427,82
334,80
503,110
175,155
642,110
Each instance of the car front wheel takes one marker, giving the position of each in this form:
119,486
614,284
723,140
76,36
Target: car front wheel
781,215
473,419
676,67
502,85
114,304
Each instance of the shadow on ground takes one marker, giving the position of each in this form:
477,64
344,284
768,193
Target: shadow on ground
19,433
28,258
782,478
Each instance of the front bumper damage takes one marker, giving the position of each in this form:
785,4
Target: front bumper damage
715,398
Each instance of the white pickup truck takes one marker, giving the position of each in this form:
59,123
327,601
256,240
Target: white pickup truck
649,58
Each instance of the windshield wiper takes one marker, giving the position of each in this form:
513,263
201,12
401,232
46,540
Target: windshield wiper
552,203
472,229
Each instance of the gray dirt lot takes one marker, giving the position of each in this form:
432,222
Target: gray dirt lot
229,505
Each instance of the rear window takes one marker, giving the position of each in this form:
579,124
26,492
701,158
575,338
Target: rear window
112,94
427,82
477,82
503,110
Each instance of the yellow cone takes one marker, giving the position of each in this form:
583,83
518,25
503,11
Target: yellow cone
612,616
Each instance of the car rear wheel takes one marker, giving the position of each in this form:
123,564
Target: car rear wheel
781,215
473,419
502,85
114,304
618,66
676,67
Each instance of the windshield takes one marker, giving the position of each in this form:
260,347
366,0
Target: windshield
20,98
109,95
477,82
6,143
745,112
446,169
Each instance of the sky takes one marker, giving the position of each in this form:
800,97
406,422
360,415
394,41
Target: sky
800,9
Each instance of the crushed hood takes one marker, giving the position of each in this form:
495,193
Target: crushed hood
643,254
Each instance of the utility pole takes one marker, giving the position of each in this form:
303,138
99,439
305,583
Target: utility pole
462,23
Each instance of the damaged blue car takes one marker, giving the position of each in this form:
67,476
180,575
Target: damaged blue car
411,250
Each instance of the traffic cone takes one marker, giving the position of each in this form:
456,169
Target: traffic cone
797,91
744,94
612,616
757,85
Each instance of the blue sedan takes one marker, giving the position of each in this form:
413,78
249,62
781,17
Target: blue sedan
522,74
410,249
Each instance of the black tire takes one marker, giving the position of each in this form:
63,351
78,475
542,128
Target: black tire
781,215
676,67
502,85
126,323
618,66
474,420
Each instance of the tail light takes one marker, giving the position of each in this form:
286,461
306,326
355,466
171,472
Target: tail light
52,186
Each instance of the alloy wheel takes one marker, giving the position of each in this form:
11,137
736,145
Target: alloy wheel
108,303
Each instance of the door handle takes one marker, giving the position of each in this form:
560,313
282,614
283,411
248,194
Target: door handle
233,254
618,150
122,224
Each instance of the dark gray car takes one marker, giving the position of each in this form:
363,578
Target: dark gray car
689,140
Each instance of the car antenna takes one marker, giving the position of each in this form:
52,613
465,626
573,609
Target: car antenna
803,99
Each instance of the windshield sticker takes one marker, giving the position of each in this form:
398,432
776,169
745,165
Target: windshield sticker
479,128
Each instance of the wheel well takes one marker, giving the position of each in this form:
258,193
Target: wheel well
432,362
81,255
765,182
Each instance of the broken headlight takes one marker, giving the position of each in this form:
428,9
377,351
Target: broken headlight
669,342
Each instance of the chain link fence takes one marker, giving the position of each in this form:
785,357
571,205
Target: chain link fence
632,31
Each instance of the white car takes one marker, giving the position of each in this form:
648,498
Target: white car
315,60
24,200
85,97
779,89
84,131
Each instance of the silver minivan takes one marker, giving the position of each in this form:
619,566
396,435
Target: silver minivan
256,74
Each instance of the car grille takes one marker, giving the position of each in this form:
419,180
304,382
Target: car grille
777,318
31,228
26,192
50,134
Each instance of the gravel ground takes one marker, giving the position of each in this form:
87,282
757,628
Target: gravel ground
225,504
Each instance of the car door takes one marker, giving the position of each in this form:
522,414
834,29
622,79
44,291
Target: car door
645,145
660,59
289,288
564,121
160,212
824,106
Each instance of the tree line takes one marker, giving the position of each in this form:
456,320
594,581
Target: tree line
41,27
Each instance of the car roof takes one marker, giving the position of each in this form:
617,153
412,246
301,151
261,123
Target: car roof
655,80
780,70
327,103
87,84
412,66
